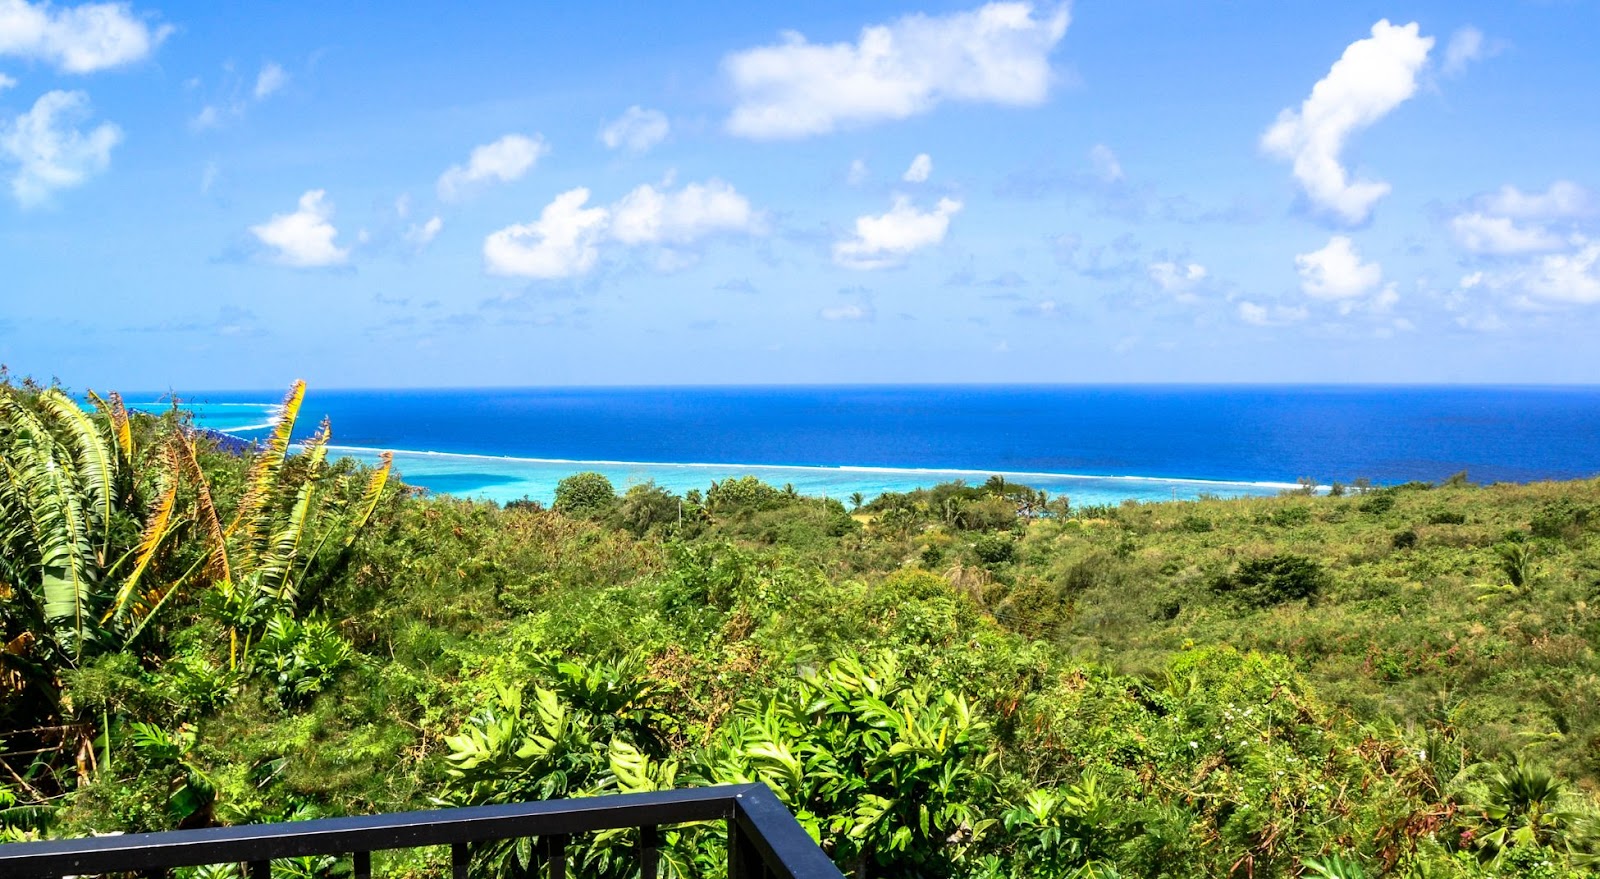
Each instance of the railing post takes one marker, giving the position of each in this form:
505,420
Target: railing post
649,852
460,859
260,870
361,865
744,861
555,854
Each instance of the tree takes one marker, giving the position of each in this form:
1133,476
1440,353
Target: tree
587,494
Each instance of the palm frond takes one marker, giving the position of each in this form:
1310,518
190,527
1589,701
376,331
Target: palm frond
262,483
96,462
156,528
370,498
183,461
59,524
278,560
111,406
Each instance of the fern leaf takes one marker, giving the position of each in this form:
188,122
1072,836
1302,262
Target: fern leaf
369,499
59,524
156,529
262,483
96,463
112,407
278,559
183,460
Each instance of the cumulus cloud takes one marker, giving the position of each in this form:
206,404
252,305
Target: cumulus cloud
1374,76
271,78
1562,200
567,238
1106,165
885,240
1483,233
76,39
857,173
637,130
921,168
50,151
504,160
563,242
304,239
1569,278
648,215
6,82
998,53
1336,272
1177,279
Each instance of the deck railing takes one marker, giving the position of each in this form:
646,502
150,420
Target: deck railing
764,840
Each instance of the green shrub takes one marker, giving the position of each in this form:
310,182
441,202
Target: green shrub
994,549
585,494
1264,582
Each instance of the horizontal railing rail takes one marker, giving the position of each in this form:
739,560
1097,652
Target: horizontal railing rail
764,839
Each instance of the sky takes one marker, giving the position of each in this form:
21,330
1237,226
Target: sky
210,196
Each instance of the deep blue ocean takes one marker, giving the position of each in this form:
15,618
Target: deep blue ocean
1096,444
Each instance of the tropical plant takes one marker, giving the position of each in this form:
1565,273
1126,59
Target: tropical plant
1520,808
883,772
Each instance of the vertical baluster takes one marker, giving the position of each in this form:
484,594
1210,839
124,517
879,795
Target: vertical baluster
649,852
460,857
555,854
362,865
744,862
260,870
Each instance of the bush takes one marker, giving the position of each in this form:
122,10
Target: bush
1378,503
1406,539
994,549
585,494
1447,517
1273,580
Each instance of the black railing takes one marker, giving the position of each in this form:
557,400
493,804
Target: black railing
764,840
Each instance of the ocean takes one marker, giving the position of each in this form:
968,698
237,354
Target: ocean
1094,444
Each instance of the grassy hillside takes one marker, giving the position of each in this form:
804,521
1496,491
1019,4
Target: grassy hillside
964,681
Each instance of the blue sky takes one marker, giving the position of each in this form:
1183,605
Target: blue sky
404,194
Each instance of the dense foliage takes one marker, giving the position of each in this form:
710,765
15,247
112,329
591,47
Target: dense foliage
964,681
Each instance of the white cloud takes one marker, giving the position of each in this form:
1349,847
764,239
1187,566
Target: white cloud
1106,165
921,168
846,312
885,240
1178,280
563,242
1563,200
648,215
1572,278
304,239
1482,233
1336,272
208,176
76,39
7,82
998,53
1374,76
419,236
50,151
566,239
504,160
271,78
636,130
208,117
857,173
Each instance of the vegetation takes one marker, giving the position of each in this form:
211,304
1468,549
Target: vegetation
964,681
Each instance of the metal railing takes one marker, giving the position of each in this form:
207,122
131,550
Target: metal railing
764,840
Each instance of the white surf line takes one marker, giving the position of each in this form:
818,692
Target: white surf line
817,468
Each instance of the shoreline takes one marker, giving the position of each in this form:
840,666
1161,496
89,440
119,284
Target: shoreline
828,469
